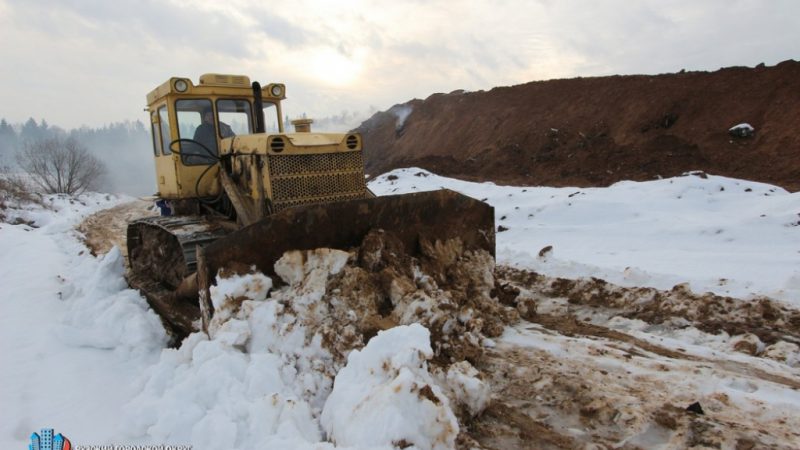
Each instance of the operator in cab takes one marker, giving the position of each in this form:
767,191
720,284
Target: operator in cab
206,134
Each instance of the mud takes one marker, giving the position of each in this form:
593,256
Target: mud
578,382
447,288
760,325
106,228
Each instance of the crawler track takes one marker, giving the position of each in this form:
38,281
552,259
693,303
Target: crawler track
162,253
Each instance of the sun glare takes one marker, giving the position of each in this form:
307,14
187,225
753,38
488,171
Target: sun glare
333,68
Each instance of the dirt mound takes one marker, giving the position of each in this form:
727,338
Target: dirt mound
597,131
342,299
378,286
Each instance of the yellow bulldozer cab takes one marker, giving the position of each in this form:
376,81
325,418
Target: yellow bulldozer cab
189,122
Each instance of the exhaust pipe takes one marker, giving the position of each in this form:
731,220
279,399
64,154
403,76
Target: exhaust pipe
259,105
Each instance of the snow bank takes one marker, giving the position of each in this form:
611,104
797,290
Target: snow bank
386,396
727,236
265,376
72,335
104,314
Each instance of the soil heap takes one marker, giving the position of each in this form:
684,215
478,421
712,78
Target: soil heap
600,130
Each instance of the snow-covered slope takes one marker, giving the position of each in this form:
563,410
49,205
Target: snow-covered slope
72,337
723,235
81,353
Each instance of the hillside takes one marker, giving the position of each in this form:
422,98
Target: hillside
597,131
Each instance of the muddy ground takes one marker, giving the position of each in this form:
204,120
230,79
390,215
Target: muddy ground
103,230
601,366
576,364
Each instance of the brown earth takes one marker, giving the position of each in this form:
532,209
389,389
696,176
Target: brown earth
106,228
600,130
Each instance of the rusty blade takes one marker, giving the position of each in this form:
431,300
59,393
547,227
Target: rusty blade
437,215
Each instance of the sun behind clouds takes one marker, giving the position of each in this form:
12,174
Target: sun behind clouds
334,68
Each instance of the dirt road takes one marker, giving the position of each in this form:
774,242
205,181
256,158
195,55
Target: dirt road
106,228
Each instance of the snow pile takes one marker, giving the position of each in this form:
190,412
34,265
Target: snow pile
265,377
218,397
104,314
72,335
387,387
37,210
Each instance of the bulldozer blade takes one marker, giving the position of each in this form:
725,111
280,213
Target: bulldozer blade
437,215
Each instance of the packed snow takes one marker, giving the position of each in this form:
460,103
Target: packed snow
82,353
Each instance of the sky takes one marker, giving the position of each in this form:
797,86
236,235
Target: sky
91,62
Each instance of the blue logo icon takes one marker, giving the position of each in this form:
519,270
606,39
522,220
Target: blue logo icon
44,440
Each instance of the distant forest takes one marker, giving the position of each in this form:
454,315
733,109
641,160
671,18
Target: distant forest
124,147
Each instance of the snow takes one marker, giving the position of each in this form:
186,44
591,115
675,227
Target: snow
72,337
722,235
81,353
742,126
386,387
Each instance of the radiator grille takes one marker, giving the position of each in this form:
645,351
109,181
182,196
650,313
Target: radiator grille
322,178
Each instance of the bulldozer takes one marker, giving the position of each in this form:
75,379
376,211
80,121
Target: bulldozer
237,190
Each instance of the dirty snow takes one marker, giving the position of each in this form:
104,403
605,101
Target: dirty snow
266,379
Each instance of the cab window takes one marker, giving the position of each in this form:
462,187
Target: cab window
235,117
163,121
271,122
196,122
154,129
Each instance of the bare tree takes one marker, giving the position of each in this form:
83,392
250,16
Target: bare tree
61,166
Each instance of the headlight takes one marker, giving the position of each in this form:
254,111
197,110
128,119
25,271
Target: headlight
276,90
181,86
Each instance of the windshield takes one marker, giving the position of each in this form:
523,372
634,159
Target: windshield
235,117
196,122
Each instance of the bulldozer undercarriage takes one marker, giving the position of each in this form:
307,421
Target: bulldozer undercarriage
174,260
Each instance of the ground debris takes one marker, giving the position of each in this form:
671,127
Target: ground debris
579,375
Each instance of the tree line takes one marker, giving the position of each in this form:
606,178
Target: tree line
118,155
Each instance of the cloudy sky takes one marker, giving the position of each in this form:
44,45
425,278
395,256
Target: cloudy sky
76,62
